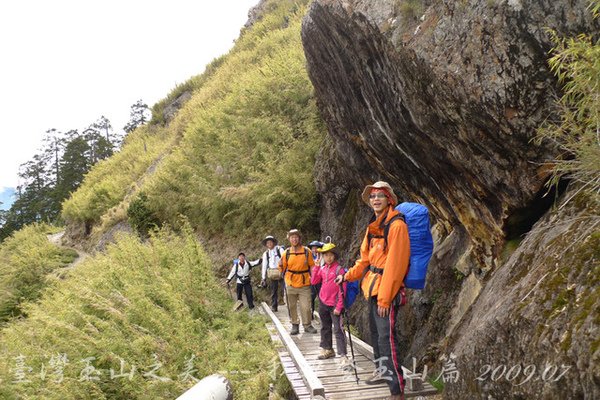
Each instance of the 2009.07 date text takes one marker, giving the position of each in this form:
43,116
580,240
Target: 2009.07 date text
551,373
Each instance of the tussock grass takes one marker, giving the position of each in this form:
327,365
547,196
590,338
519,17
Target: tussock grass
145,304
26,259
241,151
109,181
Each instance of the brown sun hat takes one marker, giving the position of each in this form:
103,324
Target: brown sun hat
379,185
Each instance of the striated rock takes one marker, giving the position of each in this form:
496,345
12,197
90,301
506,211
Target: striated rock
537,311
445,112
171,109
256,13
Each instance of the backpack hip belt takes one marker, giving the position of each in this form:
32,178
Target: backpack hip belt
301,272
376,270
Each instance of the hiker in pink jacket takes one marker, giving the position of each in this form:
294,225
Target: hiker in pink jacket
331,304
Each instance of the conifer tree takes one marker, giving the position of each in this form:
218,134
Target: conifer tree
139,115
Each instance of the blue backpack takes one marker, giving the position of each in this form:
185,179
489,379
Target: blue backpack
352,289
416,217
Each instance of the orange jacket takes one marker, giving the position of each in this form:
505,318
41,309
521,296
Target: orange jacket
297,274
394,261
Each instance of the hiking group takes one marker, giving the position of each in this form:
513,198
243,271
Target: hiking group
303,274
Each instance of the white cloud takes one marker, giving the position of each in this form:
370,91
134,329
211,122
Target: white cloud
67,62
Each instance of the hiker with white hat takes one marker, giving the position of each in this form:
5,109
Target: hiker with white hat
385,263
270,271
296,265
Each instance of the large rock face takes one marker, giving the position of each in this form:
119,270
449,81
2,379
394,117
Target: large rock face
443,107
537,315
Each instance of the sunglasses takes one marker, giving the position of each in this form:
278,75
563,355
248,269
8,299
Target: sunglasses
377,196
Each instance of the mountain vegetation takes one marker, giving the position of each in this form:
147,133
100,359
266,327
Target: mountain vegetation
143,320
238,157
55,172
27,262
241,151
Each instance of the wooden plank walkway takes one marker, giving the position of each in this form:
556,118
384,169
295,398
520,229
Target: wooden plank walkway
311,377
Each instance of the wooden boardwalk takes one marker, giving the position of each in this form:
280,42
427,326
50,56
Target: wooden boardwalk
311,377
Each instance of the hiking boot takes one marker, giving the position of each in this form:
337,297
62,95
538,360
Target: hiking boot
273,308
310,329
376,378
237,305
295,329
326,353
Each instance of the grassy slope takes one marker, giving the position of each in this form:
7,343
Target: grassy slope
26,260
246,139
135,301
237,160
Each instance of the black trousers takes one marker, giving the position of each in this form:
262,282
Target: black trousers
328,318
277,287
385,346
246,287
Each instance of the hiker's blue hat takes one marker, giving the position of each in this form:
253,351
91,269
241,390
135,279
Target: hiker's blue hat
315,243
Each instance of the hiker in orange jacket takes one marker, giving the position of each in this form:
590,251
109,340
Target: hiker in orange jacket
385,264
296,264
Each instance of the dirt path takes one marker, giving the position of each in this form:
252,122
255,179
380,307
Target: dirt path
56,239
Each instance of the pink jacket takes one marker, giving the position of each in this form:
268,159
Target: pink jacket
330,291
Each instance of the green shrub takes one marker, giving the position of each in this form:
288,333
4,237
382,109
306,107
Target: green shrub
26,259
140,216
145,304
410,9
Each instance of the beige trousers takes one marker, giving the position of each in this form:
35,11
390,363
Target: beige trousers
302,296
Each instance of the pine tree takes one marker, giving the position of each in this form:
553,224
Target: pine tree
104,126
139,115
74,165
53,148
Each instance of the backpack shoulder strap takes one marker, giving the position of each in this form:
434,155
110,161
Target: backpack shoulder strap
306,255
386,229
338,269
278,251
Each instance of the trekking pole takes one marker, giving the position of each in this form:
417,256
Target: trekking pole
229,290
287,301
345,315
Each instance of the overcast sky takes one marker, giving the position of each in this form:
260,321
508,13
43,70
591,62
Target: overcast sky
64,63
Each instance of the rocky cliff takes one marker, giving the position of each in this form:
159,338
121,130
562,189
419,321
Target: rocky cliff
443,105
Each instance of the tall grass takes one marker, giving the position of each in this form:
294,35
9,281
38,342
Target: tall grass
245,164
247,142
576,64
146,304
26,260
109,181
